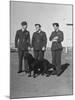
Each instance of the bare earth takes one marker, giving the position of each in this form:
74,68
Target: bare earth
23,86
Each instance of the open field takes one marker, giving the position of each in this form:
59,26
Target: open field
23,86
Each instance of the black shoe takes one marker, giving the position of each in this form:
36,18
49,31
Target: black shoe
34,76
29,75
26,71
43,74
54,72
47,75
19,72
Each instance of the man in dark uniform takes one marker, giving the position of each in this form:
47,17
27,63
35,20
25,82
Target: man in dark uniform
56,38
22,42
39,41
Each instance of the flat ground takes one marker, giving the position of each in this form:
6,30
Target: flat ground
23,86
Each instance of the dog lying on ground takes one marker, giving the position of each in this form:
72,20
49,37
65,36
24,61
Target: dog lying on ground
38,66
43,67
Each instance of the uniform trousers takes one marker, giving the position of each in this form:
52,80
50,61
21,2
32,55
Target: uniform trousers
22,56
56,59
38,54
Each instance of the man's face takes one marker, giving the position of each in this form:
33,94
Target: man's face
55,27
24,27
37,27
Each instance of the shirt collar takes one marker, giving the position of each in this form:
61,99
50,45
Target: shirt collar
39,31
23,30
57,30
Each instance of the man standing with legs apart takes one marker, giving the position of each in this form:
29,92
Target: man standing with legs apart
39,41
56,38
22,42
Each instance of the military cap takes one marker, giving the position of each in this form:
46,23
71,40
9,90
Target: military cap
23,23
38,25
57,24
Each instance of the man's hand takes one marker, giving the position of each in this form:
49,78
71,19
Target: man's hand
32,49
55,39
29,48
43,49
16,49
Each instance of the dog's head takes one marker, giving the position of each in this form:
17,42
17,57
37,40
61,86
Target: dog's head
29,57
35,63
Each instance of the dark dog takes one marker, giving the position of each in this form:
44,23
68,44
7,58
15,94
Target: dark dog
30,60
38,66
48,68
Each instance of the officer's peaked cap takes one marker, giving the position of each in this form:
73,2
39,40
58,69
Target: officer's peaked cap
38,25
23,23
57,24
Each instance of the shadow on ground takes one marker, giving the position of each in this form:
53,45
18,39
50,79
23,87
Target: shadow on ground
63,68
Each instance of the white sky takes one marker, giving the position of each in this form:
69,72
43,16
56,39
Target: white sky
44,14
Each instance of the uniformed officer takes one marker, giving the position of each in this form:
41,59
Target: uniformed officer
39,41
22,42
56,38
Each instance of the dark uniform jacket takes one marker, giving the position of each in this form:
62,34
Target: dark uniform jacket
56,45
22,39
39,40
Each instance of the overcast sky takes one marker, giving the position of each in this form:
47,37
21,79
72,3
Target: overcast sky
44,14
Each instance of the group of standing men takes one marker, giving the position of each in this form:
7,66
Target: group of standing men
38,45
